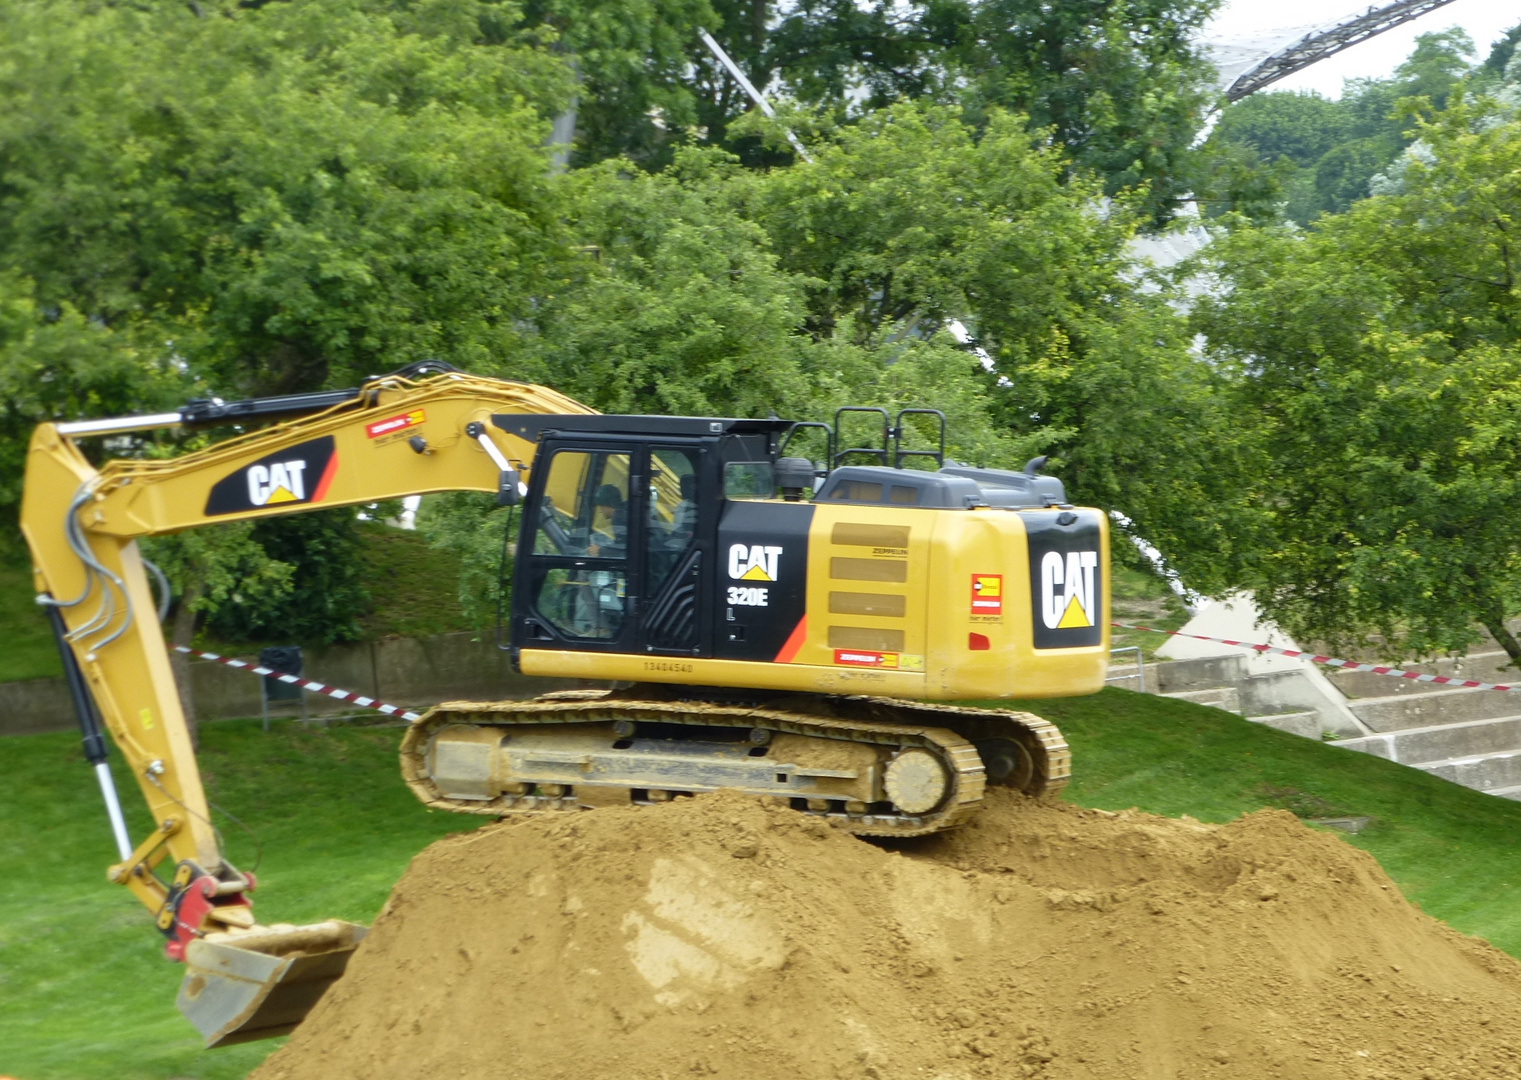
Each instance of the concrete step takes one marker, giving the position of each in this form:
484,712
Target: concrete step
1397,711
1513,793
1482,772
1485,667
1203,673
1218,697
1306,724
1441,742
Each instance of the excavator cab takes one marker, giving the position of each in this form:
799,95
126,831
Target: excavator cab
619,533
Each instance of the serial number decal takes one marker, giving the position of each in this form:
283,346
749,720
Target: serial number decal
748,597
667,665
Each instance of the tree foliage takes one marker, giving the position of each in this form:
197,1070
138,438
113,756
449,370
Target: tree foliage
1378,360
1315,156
1120,85
329,190
56,363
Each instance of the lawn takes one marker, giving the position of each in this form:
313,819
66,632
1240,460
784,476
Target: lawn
84,989
84,993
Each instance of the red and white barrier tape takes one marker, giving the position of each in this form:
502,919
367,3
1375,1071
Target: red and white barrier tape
306,684
1331,661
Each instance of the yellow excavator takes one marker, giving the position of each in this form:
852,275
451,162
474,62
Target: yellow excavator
781,627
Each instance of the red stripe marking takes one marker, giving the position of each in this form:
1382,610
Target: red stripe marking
327,477
793,643
1329,661
315,687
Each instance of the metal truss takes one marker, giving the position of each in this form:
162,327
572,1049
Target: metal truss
1320,44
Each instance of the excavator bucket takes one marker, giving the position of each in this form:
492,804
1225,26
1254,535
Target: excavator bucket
259,984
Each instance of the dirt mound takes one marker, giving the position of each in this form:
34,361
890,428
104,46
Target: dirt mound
716,936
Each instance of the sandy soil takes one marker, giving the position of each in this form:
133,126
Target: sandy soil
720,937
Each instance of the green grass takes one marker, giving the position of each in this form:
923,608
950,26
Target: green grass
85,993
415,588
1140,597
29,651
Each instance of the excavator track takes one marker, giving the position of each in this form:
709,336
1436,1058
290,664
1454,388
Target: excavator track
872,766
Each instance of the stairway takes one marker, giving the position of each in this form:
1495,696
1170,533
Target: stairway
1225,682
1471,737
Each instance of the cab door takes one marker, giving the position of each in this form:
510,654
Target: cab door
576,580
679,520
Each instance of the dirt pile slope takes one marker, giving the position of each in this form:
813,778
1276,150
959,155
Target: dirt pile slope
717,937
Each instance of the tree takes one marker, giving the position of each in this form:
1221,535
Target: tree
1377,362
680,307
1335,148
55,364
1123,85
329,189
327,591
288,217
1497,63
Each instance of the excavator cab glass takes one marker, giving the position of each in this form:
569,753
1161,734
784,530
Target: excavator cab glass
581,544
616,531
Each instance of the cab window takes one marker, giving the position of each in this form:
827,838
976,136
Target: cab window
585,509
584,514
671,518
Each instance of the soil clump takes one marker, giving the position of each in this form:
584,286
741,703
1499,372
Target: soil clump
721,937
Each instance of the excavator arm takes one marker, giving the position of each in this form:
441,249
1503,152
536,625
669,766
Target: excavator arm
394,436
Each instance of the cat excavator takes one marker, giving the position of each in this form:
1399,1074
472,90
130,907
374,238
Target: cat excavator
788,628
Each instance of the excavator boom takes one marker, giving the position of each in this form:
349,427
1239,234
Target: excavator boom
81,525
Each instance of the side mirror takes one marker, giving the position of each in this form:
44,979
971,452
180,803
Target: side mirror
508,488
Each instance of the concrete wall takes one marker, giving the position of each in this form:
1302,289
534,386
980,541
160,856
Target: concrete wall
404,671
34,705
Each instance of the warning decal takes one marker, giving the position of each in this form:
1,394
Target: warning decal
987,594
863,658
392,424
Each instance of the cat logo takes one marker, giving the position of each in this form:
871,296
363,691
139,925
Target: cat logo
753,562
279,483
1067,583
1075,605
300,474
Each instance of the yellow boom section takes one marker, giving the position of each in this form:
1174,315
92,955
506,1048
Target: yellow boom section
402,438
